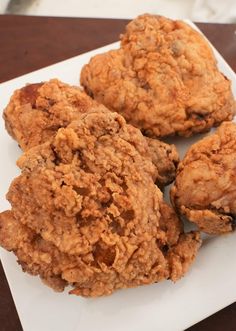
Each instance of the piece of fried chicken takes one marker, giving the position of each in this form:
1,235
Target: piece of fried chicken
86,212
205,186
163,79
36,111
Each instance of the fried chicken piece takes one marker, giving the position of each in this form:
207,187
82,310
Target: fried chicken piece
205,187
86,212
36,111
163,79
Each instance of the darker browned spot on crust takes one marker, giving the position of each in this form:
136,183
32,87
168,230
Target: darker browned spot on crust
116,227
57,160
85,221
86,168
104,254
81,190
107,202
128,215
29,93
124,186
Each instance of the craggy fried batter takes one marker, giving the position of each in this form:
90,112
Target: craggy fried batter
36,111
86,212
163,79
165,158
205,186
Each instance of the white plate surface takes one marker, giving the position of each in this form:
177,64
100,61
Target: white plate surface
208,287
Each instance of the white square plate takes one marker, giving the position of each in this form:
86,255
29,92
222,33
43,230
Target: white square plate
208,287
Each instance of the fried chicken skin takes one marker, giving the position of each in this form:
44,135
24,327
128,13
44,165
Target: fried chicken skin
205,187
165,157
163,79
86,212
36,111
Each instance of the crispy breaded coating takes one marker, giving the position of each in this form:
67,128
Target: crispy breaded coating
205,187
86,212
163,79
165,157
36,111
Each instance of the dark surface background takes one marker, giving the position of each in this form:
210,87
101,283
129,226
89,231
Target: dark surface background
30,43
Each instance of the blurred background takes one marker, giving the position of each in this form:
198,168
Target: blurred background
221,11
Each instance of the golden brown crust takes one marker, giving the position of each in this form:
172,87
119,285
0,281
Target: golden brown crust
205,186
165,157
30,93
86,212
36,111
183,254
164,79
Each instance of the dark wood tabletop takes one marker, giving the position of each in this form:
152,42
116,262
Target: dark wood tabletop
29,43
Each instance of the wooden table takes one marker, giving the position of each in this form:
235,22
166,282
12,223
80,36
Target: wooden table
30,43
